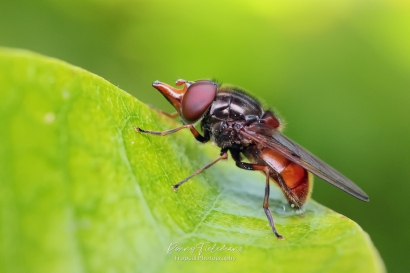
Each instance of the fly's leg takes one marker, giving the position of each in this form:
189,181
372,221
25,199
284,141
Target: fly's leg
265,169
198,136
266,206
224,155
191,127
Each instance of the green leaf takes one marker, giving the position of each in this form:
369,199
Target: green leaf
81,191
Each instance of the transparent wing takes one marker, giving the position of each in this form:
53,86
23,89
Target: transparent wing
273,139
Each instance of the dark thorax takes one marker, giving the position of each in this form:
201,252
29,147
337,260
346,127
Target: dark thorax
231,111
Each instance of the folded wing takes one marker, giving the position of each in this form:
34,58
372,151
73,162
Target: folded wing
271,138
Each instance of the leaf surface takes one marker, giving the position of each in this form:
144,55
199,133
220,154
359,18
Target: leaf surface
81,191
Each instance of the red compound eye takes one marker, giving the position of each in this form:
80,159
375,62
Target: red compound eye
197,99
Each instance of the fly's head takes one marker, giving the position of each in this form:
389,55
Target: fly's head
192,101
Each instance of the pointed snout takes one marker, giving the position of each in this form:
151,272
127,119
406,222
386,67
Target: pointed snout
172,94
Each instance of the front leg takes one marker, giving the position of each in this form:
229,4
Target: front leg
191,127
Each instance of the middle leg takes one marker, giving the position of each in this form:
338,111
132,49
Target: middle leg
223,155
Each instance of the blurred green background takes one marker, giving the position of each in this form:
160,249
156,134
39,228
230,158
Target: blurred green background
337,71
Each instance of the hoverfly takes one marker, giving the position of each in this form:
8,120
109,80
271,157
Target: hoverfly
237,123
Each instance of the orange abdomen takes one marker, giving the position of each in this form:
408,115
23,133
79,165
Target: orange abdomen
294,180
